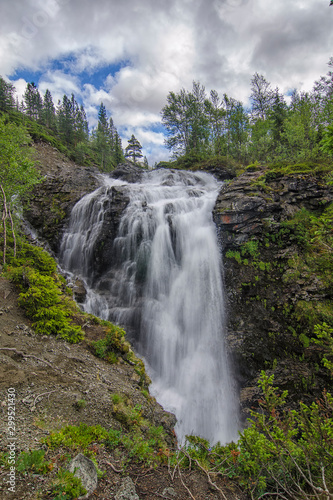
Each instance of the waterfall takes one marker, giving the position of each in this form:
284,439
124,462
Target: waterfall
164,284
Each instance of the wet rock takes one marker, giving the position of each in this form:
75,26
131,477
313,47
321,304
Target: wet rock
79,291
128,172
84,468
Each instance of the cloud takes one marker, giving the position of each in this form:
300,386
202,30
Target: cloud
142,50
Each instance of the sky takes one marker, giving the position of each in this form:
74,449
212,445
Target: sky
129,54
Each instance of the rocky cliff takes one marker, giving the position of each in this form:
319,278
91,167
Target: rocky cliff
276,286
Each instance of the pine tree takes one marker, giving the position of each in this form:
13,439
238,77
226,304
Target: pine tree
65,121
33,102
7,91
48,111
133,149
103,140
118,153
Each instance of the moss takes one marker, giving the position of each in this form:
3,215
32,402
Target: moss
284,168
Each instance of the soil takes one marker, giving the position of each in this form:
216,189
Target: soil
50,376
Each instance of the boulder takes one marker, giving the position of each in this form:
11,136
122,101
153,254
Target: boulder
84,468
127,490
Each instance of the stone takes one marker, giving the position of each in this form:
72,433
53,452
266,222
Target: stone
79,291
84,468
169,492
127,490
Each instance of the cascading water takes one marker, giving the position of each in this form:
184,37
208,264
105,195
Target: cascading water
165,284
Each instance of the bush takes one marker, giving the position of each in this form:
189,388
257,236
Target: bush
282,454
76,437
33,461
114,343
43,300
67,486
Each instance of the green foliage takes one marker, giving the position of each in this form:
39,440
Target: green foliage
43,303
18,174
287,452
76,437
34,257
327,141
67,486
324,334
128,415
80,404
41,293
33,461
282,454
249,255
140,440
114,343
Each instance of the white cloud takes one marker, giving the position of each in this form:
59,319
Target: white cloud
163,46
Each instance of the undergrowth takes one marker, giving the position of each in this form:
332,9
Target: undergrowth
43,294
282,453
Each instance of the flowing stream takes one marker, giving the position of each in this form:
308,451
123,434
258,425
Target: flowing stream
164,284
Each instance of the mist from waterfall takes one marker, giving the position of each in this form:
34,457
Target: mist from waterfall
165,284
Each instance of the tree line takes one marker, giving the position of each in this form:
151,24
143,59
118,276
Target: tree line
199,126
68,121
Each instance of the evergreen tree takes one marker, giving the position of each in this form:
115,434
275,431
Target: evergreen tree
118,154
65,121
278,114
103,140
133,150
7,91
33,102
48,111
80,124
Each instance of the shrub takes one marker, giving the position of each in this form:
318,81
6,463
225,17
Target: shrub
67,486
113,343
43,300
282,454
33,461
76,436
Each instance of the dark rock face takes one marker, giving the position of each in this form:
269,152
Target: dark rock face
103,256
262,296
243,209
64,184
128,172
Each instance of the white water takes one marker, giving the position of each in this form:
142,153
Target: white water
167,286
